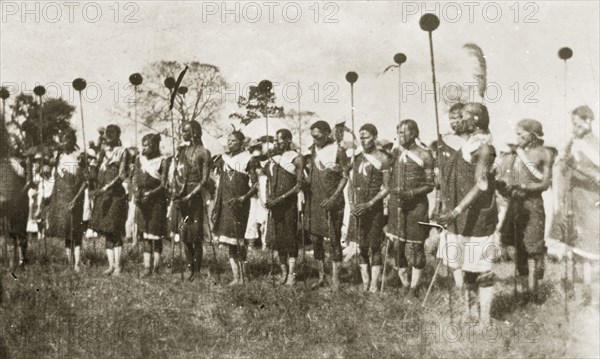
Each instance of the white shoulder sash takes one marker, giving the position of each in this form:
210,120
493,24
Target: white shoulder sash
373,160
286,161
151,167
529,165
413,156
326,157
236,163
581,147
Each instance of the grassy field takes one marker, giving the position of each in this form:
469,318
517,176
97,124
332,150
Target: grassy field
51,312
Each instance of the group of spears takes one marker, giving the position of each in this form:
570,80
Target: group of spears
376,196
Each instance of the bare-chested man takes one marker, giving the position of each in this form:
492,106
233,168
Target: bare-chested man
523,175
191,175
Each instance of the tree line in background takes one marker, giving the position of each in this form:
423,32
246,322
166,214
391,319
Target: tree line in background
199,98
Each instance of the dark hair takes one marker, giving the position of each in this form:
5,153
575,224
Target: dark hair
585,112
238,135
411,124
370,128
114,128
456,107
479,113
285,134
196,131
321,126
152,138
117,130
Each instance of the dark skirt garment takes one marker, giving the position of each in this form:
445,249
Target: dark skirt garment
370,233
63,223
282,234
151,216
14,202
405,225
585,197
282,226
524,222
191,215
110,208
323,185
231,220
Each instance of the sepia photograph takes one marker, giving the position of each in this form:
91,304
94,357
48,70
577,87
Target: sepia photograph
299,179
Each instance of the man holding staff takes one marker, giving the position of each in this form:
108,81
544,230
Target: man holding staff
326,199
369,178
470,212
411,179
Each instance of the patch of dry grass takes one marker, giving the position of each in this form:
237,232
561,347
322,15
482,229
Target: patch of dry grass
51,312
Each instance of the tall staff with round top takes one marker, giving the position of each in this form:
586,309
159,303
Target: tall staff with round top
4,95
429,23
399,59
40,91
79,84
565,53
264,88
170,85
352,77
136,80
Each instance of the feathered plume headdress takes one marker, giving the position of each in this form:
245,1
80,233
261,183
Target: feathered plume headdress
471,77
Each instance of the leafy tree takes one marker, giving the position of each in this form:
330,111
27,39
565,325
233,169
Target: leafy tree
202,101
25,120
257,104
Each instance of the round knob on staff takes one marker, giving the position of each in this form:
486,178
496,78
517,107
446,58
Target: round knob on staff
399,58
136,79
265,86
39,90
351,77
429,22
79,84
4,94
565,53
170,83
182,90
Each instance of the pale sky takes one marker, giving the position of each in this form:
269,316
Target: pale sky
328,40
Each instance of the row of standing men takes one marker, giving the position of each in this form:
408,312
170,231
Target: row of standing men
469,178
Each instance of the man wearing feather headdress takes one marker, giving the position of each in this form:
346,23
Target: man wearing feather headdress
523,175
471,216
466,83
